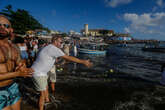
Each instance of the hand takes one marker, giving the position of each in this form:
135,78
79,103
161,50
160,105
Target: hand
87,63
20,65
25,72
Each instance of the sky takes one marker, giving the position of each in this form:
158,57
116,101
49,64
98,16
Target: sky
143,19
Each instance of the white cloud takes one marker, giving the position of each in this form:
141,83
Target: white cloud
160,3
126,29
148,23
115,3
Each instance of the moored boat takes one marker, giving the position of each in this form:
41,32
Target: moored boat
156,47
93,48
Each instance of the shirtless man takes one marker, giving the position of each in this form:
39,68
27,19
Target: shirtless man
11,67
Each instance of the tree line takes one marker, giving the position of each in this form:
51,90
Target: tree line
21,20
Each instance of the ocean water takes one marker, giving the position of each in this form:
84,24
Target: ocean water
130,60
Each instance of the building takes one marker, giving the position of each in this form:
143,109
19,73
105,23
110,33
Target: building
72,33
96,32
54,32
86,29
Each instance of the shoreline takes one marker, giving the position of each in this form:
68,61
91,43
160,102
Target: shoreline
79,93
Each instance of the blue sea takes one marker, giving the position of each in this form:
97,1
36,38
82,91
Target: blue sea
128,59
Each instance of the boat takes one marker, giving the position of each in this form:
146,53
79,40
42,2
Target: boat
93,48
153,48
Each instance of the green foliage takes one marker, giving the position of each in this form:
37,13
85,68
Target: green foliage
21,20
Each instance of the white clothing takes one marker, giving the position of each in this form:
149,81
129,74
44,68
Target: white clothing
52,74
35,48
22,48
46,59
75,50
40,82
66,49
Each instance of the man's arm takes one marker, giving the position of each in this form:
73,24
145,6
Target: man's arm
74,59
10,75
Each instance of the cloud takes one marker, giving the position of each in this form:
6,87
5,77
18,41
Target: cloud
126,29
147,23
160,3
115,3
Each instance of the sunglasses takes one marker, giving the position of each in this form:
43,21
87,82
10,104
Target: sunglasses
5,25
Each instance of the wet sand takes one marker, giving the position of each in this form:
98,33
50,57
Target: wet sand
116,93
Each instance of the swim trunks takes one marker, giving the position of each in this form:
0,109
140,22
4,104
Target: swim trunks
9,95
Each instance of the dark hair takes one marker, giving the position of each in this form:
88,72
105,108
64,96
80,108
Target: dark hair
162,67
66,42
18,40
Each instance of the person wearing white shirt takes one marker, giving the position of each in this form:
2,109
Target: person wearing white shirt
43,64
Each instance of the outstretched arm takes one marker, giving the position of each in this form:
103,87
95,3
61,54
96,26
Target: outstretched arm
74,59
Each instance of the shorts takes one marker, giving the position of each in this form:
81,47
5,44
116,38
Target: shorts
9,95
52,74
40,82
24,55
32,54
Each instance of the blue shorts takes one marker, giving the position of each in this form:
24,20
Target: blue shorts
24,55
32,54
9,95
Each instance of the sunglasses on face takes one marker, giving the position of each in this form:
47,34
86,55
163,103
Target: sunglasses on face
5,25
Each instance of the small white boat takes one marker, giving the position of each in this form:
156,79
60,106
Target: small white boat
93,48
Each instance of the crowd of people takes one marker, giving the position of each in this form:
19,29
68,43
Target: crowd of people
34,58
28,57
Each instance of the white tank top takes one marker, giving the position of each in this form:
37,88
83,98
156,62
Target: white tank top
22,48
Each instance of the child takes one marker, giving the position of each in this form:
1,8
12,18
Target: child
163,74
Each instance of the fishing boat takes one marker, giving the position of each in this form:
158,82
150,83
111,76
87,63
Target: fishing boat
93,48
154,48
